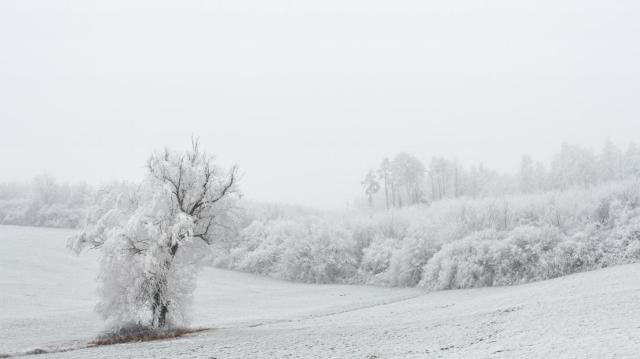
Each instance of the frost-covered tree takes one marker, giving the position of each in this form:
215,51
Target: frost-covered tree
384,173
151,236
45,189
540,177
371,186
574,166
526,175
438,177
631,161
408,174
610,162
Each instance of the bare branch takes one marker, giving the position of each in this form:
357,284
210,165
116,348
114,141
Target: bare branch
204,234
228,186
205,189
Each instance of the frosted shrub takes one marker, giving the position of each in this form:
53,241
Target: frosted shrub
309,249
325,255
407,262
377,257
526,255
623,242
393,224
364,234
569,256
492,258
262,245
470,262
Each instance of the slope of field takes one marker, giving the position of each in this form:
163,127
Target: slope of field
47,294
46,300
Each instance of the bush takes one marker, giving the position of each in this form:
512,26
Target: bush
460,243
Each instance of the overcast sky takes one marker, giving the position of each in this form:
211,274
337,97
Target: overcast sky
307,95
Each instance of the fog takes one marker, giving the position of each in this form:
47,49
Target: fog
307,96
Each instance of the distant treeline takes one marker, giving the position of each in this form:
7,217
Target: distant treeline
45,202
405,180
446,227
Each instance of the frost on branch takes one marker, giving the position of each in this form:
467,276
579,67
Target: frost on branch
152,236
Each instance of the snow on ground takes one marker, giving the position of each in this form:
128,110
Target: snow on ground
46,300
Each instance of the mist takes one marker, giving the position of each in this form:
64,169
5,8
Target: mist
306,97
339,179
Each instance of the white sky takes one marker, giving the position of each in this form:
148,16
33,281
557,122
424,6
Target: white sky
307,95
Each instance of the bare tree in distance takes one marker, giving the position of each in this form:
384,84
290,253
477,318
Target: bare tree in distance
371,186
384,173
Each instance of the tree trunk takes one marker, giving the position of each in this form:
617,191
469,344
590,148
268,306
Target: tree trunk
160,305
393,196
386,192
162,319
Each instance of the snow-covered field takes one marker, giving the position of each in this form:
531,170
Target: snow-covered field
46,301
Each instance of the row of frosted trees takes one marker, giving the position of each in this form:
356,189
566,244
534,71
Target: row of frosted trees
45,202
405,180
455,243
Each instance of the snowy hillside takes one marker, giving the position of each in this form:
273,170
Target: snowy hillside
46,296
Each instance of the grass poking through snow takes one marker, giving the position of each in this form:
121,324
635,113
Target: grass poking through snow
138,333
